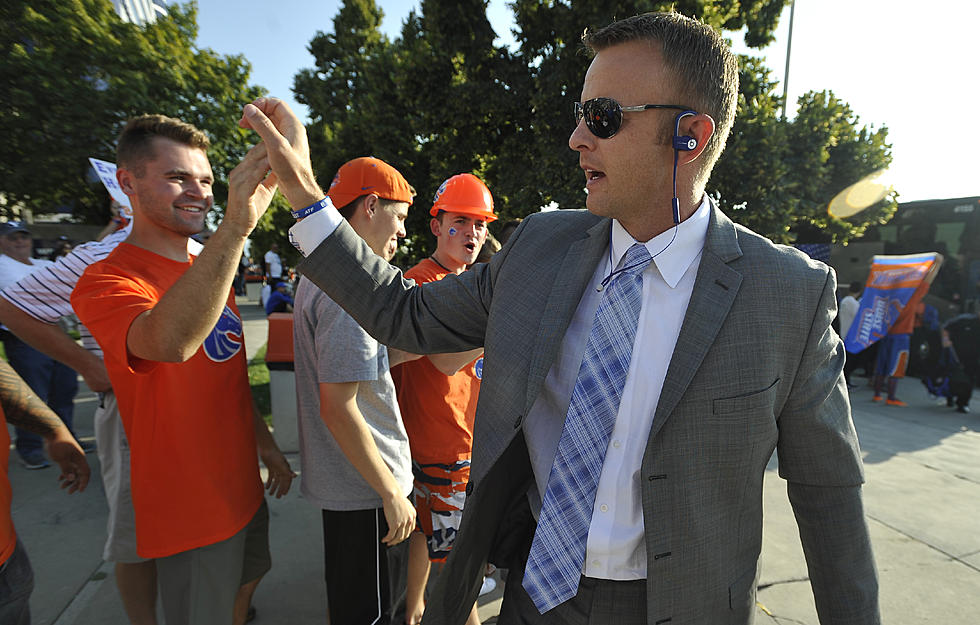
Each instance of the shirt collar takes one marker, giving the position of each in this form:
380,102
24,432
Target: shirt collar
671,254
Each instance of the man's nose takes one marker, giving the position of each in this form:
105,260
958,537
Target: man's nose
581,138
197,189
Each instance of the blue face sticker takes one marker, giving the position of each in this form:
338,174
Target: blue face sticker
226,338
452,231
478,368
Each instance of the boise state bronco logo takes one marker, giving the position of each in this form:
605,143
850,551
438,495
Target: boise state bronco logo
478,368
439,192
226,338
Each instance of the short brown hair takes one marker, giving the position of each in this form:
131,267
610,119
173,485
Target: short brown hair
135,144
700,59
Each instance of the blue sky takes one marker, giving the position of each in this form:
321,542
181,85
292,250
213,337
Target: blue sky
910,70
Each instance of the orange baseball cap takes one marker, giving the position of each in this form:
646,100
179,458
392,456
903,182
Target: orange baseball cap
365,175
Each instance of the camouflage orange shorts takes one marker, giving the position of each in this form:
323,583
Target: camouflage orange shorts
439,494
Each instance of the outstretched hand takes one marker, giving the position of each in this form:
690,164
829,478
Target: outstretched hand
287,148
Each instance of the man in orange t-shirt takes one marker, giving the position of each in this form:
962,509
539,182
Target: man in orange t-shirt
172,340
20,406
437,393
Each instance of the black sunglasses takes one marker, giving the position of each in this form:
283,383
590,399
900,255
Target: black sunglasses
604,116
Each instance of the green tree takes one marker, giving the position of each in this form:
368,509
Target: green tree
74,72
444,98
436,102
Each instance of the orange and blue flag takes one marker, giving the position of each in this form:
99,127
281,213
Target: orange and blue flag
894,283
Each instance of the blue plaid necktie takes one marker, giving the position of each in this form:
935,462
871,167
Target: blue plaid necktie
554,564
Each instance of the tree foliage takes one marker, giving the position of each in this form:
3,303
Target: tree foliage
445,97
73,72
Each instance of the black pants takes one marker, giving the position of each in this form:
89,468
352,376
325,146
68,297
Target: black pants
365,578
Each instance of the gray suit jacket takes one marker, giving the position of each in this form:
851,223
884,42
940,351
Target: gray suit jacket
756,367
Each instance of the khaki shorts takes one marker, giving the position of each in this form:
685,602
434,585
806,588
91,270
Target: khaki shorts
200,585
113,449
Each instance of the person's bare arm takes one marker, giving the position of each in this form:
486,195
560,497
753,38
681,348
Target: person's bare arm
450,364
280,473
339,411
397,357
24,409
52,340
175,327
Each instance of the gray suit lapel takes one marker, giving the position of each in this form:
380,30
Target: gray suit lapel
576,268
714,291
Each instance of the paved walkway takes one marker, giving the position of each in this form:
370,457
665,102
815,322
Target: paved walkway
922,500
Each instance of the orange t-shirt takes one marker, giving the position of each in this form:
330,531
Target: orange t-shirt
193,462
8,537
437,409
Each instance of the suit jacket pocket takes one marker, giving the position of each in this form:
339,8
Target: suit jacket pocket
741,596
747,401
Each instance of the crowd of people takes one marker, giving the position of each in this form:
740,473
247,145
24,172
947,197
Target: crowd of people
592,408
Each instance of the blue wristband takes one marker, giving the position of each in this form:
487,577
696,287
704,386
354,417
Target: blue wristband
312,208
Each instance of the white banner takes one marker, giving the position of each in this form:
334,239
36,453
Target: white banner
107,174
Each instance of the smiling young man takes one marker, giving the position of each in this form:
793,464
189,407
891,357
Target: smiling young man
437,394
172,343
638,372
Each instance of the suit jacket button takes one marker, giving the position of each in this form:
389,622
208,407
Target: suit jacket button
517,422
469,488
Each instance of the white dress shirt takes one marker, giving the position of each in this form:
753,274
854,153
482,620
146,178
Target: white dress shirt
615,548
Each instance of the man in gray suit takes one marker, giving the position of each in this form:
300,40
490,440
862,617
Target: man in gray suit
622,478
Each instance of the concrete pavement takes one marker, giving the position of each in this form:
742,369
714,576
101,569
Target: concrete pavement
922,500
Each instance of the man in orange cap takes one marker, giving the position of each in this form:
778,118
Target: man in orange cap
354,450
437,393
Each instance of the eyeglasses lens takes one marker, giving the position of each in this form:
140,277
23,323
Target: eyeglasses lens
603,116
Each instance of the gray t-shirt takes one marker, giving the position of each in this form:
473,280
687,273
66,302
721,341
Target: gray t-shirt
329,346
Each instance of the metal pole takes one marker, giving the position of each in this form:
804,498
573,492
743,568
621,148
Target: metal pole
789,48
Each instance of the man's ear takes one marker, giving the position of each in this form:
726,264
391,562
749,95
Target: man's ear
370,205
701,127
435,227
125,178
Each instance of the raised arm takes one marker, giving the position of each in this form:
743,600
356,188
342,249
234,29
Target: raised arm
177,325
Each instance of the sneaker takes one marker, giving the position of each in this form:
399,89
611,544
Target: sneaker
34,460
963,409
876,398
489,585
895,402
